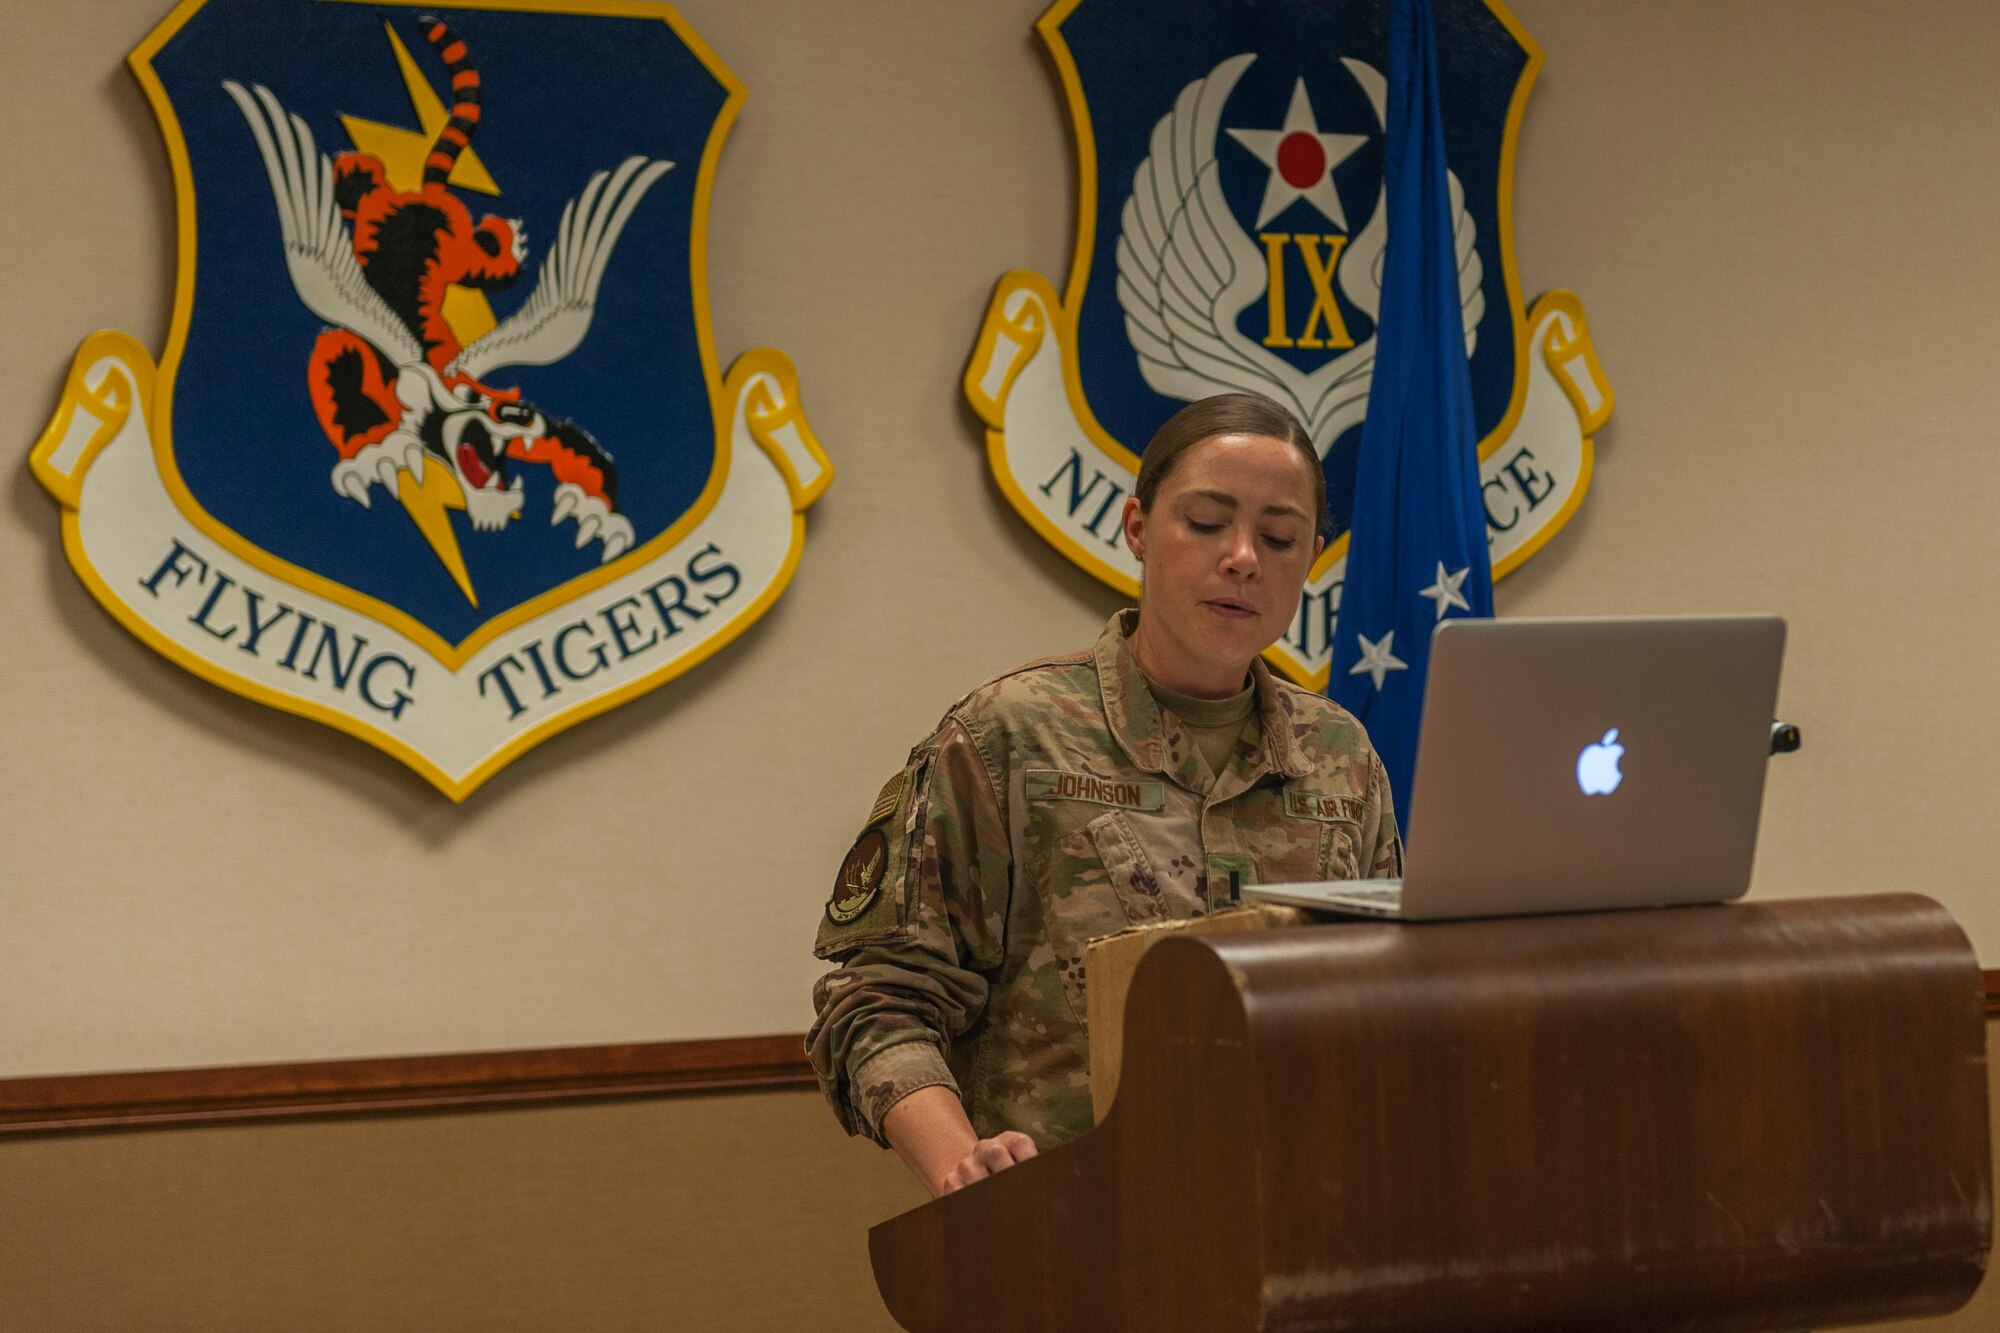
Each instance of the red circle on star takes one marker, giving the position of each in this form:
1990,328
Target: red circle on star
1301,160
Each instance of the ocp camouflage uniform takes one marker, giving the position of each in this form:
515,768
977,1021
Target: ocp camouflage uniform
1054,804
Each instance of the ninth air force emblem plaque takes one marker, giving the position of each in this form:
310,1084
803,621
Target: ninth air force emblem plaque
1229,239
438,452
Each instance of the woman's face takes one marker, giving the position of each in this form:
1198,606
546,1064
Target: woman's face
1225,549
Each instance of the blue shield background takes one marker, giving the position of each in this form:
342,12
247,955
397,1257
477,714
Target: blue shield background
563,96
1135,56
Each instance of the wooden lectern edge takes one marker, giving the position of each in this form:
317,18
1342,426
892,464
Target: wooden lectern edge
935,1233
894,1233
1990,978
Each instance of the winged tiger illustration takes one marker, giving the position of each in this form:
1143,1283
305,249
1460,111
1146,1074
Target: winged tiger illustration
391,386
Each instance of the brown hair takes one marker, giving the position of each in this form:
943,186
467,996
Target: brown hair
1225,414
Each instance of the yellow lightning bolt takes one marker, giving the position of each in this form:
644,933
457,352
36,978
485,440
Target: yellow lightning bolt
402,153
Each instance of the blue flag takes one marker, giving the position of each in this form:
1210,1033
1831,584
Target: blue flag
1416,552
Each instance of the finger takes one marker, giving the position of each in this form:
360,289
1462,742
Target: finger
967,1172
992,1155
1019,1146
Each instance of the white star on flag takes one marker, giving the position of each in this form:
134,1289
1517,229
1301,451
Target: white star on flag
1376,659
1445,592
1301,160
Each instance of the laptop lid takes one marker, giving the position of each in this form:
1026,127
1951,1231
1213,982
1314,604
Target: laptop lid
1568,765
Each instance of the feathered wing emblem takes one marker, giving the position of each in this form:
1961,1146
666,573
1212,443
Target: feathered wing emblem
1187,270
319,252
553,320
435,402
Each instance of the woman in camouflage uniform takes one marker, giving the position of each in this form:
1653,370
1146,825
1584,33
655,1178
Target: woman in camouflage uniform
1077,795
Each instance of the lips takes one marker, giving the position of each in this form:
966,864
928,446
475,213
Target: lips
1231,608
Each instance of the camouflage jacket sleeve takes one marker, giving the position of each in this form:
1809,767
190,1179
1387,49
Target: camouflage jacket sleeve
1385,858
915,927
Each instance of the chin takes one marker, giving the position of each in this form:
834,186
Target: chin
1231,643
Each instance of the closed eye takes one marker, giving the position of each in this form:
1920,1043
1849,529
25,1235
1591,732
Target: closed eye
1205,527
1282,543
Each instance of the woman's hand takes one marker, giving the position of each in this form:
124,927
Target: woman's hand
987,1156
929,1131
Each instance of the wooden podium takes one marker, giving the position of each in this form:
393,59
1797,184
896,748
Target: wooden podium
1768,1116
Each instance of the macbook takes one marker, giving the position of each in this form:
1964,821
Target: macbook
1575,765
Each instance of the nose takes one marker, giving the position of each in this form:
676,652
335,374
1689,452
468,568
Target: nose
1239,554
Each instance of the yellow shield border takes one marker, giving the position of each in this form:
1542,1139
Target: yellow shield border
760,386
1006,341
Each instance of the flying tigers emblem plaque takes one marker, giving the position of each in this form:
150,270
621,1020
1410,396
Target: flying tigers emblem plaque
438,452
1230,232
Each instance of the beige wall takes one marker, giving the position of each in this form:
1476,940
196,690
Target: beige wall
689,1214
1777,215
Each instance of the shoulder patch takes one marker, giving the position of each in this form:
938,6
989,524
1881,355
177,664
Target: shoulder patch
861,873
892,795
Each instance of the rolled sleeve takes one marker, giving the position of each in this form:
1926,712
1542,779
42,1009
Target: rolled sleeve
885,1019
881,1080
911,972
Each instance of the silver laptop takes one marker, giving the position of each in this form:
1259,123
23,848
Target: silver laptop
1574,765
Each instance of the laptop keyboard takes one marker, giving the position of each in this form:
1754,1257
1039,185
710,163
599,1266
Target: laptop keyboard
1387,894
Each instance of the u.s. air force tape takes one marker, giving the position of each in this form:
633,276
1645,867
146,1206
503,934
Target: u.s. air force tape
1327,809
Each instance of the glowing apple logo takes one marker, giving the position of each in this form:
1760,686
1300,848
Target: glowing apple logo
1597,767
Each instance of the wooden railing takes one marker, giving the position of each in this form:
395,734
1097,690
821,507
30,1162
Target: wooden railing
402,1083
154,1098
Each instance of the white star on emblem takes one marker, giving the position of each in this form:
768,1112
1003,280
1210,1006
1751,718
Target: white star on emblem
1445,592
1376,659
1301,160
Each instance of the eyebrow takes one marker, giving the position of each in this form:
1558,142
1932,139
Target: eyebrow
1224,497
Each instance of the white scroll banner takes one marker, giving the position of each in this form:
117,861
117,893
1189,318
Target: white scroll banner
239,623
